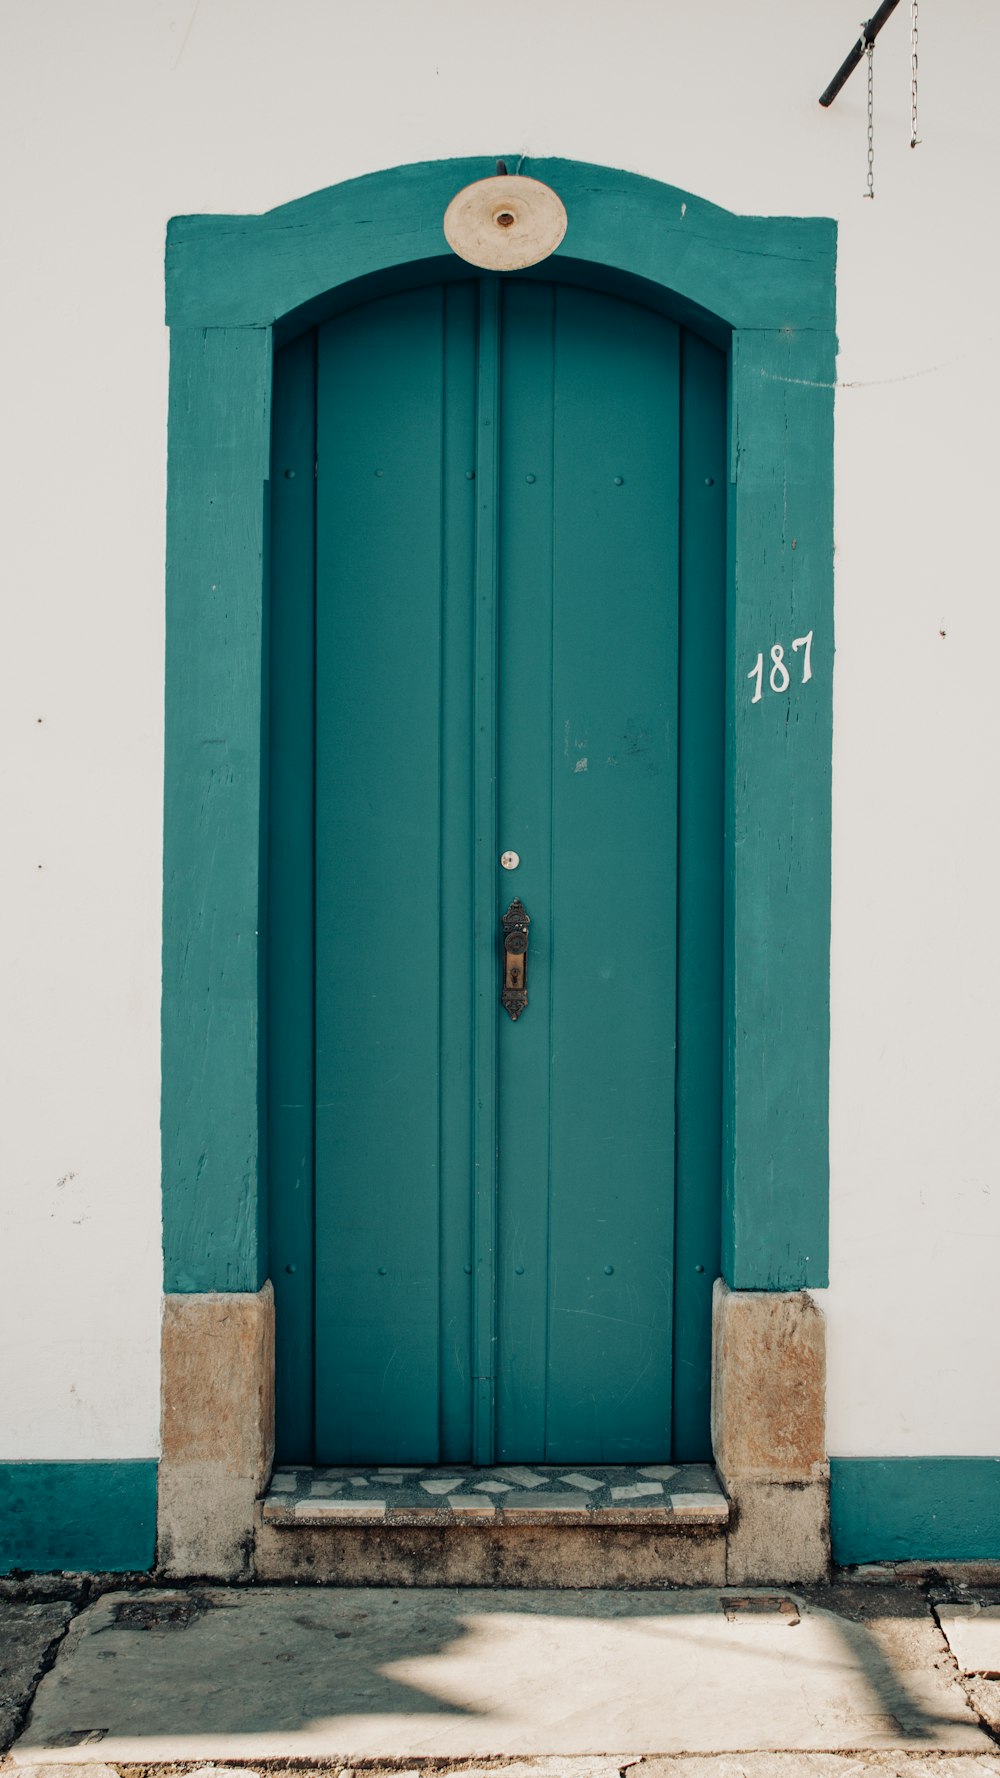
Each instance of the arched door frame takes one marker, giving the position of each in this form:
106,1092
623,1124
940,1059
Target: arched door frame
764,289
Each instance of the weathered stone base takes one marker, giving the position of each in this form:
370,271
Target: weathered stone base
768,1385
217,1428
779,1533
769,1433
204,1522
768,1430
477,1556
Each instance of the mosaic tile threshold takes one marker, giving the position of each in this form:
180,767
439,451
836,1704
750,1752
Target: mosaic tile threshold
662,1494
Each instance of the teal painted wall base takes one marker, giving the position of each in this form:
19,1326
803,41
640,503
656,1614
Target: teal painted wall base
77,1518
915,1509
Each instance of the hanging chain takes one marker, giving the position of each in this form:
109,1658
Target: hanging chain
869,46
914,39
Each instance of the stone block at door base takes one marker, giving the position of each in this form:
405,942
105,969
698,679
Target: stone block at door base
205,1522
769,1433
779,1533
217,1429
768,1385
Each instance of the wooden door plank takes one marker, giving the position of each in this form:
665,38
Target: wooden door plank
456,1011
485,874
378,929
613,942
701,799
290,950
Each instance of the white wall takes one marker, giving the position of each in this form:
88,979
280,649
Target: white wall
124,112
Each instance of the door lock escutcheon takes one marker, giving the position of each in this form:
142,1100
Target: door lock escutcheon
514,990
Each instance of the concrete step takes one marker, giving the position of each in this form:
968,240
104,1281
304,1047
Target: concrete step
511,1525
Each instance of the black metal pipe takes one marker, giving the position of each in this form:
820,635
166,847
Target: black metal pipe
869,33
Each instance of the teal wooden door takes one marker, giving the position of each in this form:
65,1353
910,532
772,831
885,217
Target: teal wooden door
496,628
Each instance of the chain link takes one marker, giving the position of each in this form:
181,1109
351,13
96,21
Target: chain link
914,40
870,48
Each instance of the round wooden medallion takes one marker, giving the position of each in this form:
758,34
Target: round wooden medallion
505,223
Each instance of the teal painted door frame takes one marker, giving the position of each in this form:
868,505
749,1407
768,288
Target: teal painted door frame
763,288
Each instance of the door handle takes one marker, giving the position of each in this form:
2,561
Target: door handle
514,990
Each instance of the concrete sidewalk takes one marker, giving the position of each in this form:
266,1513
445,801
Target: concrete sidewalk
690,1682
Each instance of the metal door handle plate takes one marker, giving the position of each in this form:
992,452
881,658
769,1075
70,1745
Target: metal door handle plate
514,989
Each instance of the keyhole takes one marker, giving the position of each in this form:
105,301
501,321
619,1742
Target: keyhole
505,219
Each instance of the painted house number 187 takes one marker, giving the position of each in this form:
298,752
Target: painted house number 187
779,678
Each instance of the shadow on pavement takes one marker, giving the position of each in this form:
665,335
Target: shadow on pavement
211,1673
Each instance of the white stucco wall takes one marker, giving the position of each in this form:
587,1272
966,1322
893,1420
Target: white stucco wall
124,112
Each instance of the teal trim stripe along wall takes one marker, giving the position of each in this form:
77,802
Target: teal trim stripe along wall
915,1509
101,1517
77,1518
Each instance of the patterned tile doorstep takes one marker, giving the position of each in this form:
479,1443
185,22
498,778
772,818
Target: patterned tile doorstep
652,1494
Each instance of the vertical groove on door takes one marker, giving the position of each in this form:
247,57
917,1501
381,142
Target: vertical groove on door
290,950
551,817
525,771
485,873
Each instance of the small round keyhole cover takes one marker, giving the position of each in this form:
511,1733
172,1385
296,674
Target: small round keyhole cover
510,860
505,223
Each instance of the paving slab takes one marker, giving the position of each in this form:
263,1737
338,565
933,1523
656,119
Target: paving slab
973,1635
27,1634
984,1696
817,1765
349,1675
680,1765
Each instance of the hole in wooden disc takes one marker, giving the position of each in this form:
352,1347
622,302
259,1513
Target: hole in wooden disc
505,219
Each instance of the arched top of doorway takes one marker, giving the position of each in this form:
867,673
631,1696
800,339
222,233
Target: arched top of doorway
765,289
293,265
